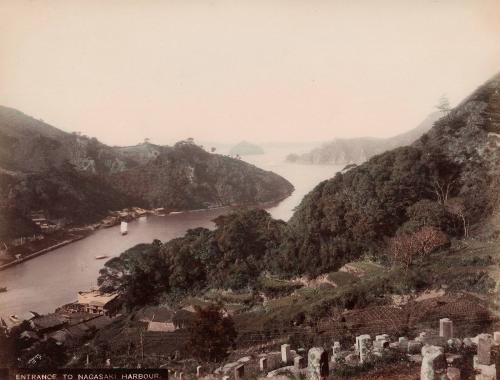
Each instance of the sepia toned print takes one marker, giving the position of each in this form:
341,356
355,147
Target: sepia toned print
247,189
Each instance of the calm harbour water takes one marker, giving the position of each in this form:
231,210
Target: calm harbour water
53,279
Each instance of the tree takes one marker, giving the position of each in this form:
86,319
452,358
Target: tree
428,213
444,175
211,334
139,275
456,206
407,248
213,149
444,105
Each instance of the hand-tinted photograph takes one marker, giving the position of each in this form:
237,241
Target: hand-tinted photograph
239,190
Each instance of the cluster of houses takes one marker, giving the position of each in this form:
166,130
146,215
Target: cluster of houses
115,217
95,302
46,226
70,324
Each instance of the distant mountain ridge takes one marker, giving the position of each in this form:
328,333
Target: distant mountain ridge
358,150
76,179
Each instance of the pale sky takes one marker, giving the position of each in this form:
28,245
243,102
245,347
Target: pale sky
259,70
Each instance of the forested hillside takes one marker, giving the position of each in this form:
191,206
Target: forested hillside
187,177
445,180
441,187
74,179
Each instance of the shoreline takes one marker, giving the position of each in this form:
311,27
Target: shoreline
88,230
41,252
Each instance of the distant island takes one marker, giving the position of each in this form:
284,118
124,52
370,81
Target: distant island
359,150
245,148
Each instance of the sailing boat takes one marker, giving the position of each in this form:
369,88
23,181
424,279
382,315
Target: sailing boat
123,228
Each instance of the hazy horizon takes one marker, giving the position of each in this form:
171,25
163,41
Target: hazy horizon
261,71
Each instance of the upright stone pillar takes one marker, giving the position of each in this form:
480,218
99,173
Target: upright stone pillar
360,338
239,372
285,353
336,349
317,364
433,363
403,343
446,328
382,337
263,364
484,343
363,350
496,337
298,362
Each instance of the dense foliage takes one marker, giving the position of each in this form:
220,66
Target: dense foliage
353,214
74,179
64,194
243,245
416,196
211,334
187,177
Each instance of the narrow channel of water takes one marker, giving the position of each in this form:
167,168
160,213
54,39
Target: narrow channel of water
53,279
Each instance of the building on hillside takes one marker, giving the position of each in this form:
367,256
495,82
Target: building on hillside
183,318
44,324
161,326
95,302
158,318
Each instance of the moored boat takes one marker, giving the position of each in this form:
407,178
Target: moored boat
100,257
124,228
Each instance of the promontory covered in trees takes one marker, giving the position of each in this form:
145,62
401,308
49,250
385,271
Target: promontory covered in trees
74,179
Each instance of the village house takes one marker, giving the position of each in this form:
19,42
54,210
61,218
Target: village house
158,319
44,324
95,302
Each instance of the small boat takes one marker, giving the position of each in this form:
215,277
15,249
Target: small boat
3,289
14,318
101,257
123,228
